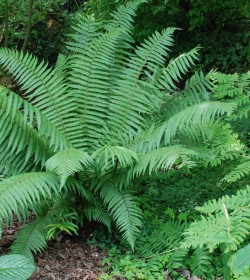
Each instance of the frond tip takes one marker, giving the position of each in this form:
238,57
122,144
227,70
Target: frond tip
18,192
68,162
125,212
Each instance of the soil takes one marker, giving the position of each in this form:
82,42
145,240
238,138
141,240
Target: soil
66,258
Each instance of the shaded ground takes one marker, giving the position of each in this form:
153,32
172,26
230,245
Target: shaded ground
67,258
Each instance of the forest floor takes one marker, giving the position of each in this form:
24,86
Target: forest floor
66,258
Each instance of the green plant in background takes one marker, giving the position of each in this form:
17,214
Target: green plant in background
221,27
236,88
224,224
81,134
37,25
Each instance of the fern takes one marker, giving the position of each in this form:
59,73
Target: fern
227,222
240,171
166,238
99,214
201,263
32,238
106,114
176,259
127,215
67,162
19,191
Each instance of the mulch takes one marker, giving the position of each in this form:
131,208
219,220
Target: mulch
66,258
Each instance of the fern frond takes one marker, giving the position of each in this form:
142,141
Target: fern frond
67,162
90,81
241,199
114,157
129,101
197,114
34,119
125,212
160,159
86,30
201,263
176,69
122,18
236,88
229,225
99,214
22,190
167,237
16,134
240,171
32,238
176,259
44,89
61,65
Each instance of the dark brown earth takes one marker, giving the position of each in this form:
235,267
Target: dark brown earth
67,258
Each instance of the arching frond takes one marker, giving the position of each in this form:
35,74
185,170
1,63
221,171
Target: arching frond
236,201
201,262
240,171
161,159
129,100
32,238
176,259
125,212
175,70
44,89
16,134
165,238
61,65
123,17
36,119
236,88
90,84
22,190
200,113
99,214
68,162
86,30
114,157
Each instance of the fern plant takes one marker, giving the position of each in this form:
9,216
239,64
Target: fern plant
225,225
236,88
79,134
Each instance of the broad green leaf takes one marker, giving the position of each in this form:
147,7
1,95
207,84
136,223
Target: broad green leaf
15,267
241,260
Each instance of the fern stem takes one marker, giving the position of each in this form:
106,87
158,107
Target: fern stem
6,23
28,27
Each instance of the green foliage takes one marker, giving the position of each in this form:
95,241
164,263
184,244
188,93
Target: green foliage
81,134
213,24
15,267
241,261
68,162
225,225
50,22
